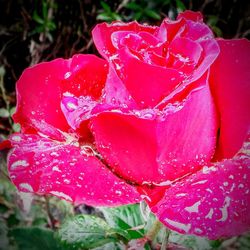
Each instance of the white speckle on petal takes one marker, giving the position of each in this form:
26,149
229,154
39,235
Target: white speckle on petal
20,163
61,195
118,192
178,225
224,209
199,182
207,170
56,169
71,105
16,138
210,214
194,208
67,75
54,154
26,186
181,194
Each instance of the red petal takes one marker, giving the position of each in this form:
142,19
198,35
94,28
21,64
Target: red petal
187,134
191,15
214,202
128,144
39,91
38,96
150,146
45,166
230,78
140,84
102,35
86,76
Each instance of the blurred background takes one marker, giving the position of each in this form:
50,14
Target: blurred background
32,31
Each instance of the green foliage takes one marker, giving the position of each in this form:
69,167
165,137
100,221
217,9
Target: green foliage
143,10
87,232
107,14
34,238
212,21
44,20
126,218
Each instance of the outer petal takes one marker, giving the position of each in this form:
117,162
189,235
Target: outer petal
214,202
102,35
39,91
38,95
230,78
44,166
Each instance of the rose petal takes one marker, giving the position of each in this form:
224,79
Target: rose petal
191,15
187,134
213,203
86,76
43,166
152,146
169,29
230,78
102,35
35,102
116,92
128,144
146,89
39,91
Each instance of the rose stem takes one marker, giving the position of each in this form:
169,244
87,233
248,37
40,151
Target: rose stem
152,233
165,239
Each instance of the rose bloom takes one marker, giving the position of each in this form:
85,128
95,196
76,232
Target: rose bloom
164,118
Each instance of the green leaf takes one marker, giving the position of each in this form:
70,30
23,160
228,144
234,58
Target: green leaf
16,127
3,235
104,17
105,7
37,18
87,232
152,14
110,246
189,241
35,238
4,113
126,218
180,5
116,16
133,6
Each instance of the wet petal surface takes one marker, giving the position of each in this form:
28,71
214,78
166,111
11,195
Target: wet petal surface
40,87
213,202
156,146
73,173
34,101
230,78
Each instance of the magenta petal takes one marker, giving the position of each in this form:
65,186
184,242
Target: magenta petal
38,96
43,166
155,146
128,144
191,15
102,35
146,89
187,134
230,77
39,91
86,76
214,202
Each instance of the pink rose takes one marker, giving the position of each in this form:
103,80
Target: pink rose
164,118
